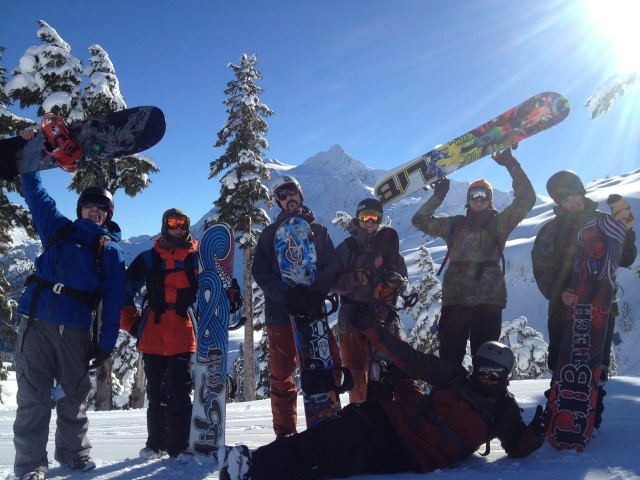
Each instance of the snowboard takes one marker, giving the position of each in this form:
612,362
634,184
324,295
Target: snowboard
574,386
387,283
297,258
215,252
534,115
114,135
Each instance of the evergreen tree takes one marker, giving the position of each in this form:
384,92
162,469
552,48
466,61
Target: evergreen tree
11,216
238,373
242,185
263,387
426,312
528,347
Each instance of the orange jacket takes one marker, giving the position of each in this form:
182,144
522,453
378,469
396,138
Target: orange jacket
171,331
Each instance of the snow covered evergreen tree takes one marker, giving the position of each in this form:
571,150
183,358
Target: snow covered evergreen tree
242,187
426,313
528,346
263,384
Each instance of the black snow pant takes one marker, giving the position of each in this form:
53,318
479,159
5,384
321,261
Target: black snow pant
358,439
169,411
478,323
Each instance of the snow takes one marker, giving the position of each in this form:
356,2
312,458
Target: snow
117,436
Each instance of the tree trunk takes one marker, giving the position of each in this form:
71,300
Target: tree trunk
104,400
249,365
136,399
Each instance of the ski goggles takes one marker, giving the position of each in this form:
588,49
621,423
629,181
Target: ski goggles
492,374
479,193
99,206
366,215
286,191
174,223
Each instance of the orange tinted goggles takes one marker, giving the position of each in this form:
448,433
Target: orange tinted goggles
366,215
174,223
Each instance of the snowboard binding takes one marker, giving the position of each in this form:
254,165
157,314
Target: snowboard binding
60,144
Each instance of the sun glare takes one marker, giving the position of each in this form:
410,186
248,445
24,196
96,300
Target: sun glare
616,22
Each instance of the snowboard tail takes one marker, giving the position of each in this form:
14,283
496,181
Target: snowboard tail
574,387
314,340
210,364
534,115
110,136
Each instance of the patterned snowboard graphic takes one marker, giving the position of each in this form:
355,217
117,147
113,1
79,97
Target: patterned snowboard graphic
209,403
574,387
117,134
536,114
298,266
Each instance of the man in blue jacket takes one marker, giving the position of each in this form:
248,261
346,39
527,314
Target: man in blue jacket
80,268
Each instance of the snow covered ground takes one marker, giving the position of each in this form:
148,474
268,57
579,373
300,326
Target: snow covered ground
117,437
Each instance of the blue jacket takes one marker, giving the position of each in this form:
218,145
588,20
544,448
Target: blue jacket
266,270
72,264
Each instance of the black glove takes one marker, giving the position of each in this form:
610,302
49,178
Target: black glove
505,158
97,357
441,187
296,299
540,420
364,318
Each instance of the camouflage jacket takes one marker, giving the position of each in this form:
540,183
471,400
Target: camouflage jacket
474,275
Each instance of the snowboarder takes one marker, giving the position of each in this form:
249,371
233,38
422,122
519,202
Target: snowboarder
474,290
356,282
81,267
281,300
165,333
552,257
414,432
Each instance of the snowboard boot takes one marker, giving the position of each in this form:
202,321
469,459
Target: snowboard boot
236,464
151,454
80,464
35,475
60,144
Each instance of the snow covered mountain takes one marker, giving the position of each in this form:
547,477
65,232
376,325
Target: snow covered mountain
334,181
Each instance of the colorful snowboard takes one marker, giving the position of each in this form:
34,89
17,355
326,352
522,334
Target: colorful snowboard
536,114
388,284
117,134
298,266
209,400
574,386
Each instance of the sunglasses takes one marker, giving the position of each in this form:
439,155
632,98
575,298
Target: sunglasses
100,206
479,193
174,223
284,192
366,215
492,374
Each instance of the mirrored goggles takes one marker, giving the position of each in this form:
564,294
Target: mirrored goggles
366,215
283,192
493,374
479,193
100,206
174,223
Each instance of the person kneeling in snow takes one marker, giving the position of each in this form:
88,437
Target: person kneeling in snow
415,431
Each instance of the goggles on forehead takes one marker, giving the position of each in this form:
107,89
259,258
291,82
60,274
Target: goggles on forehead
100,206
283,192
479,193
493,374
174,223
366,215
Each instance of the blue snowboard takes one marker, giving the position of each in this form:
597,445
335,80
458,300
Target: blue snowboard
209,402
298,266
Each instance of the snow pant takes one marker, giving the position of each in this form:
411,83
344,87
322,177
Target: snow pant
282,355
46,354
354,350
169,387
358,439
478,323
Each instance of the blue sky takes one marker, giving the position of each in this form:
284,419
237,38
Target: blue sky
386,80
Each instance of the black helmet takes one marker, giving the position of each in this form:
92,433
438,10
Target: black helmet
497,359
563,184
370,204
95,195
